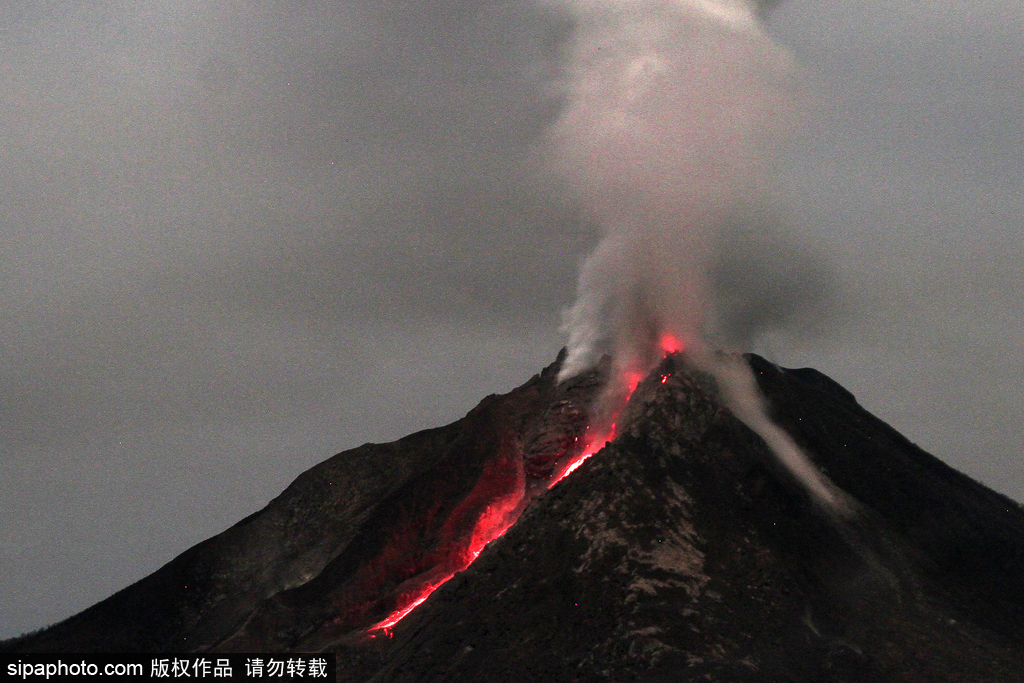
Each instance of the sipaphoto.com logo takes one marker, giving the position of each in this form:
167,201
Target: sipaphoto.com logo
221,667
60,669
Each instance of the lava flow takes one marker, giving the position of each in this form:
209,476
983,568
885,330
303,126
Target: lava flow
502,509
593,445
493,523
502,513
669,344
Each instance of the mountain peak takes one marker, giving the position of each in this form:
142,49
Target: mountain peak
680,551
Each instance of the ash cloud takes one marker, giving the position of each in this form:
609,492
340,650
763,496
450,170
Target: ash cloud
672,118
229,227
673,115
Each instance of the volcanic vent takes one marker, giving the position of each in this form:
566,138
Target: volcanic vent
681,551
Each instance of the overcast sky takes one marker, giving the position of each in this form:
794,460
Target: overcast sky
237,238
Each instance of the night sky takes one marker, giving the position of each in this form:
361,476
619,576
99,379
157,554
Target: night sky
238,238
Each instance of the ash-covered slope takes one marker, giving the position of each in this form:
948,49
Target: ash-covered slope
335,551
684,552
681,551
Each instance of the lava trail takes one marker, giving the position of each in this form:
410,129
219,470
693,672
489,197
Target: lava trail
500,514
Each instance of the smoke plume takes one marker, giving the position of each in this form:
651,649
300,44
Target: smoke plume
673,112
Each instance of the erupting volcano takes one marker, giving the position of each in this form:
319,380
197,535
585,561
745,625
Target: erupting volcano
725,519
611,410
682,549
502,512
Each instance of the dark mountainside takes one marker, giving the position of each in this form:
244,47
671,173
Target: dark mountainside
679,552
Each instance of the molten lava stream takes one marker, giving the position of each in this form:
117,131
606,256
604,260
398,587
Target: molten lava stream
593,446
496,519
399,614
499,518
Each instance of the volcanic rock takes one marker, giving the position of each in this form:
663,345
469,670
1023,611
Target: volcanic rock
680,551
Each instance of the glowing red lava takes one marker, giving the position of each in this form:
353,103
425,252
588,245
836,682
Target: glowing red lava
632,380
495,520
501,514
399,614
594,444
492,525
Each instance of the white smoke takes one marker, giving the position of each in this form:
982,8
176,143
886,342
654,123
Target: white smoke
739,390
673,112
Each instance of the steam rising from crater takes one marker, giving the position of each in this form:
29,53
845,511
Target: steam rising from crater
672,114
674,110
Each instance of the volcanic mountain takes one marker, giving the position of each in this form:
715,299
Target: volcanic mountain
679,551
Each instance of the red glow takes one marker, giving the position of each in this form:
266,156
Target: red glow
493,522
632,379
501,513
399,614
593,446
571,468
670,343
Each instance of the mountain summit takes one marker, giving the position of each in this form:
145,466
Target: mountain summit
680,551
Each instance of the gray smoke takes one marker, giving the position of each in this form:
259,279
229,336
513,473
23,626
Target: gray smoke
673,114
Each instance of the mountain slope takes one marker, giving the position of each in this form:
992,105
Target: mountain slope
681,551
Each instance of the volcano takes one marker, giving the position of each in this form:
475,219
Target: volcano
680,550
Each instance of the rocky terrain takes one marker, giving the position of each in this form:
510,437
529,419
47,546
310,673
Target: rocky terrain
681,551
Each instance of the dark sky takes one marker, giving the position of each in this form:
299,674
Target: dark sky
238,238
